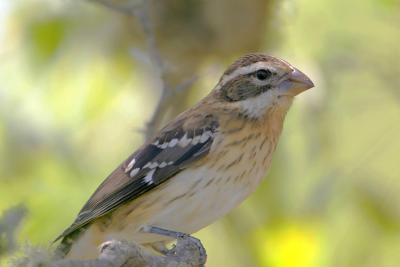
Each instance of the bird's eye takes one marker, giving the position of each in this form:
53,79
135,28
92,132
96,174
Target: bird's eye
263,74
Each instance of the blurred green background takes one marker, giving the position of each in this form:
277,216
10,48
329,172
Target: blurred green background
76,89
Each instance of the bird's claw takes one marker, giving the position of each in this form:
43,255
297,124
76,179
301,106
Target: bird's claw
184,243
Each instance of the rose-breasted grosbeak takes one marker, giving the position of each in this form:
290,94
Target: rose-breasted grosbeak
199,166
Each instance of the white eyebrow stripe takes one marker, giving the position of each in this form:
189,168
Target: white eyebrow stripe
242,71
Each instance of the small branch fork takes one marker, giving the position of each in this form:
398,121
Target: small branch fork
140,10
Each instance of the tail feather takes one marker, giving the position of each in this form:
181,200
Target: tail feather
67,241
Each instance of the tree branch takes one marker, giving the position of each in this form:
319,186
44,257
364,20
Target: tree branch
187,253
140,9
9,223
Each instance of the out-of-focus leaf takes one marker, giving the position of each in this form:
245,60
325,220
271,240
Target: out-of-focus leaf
379,205
44,38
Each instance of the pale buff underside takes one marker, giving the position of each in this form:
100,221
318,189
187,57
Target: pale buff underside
198,196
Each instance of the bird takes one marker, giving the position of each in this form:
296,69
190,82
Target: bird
198,167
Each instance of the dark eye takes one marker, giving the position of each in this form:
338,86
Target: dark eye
263,74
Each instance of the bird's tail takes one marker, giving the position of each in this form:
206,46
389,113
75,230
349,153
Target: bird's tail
63,248
66,243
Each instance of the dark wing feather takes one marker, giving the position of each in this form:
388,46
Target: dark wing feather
170,152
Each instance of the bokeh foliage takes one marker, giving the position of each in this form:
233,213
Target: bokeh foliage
73,101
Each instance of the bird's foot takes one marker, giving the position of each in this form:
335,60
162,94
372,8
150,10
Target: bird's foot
186,244
160,247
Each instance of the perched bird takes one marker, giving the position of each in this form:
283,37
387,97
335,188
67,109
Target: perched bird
197,168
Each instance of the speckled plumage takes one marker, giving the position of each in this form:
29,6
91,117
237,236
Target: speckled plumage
199,167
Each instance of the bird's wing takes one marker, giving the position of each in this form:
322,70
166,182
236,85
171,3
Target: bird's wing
179,144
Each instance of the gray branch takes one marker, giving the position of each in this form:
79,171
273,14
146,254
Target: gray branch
140,9
142,14
9,222
186,253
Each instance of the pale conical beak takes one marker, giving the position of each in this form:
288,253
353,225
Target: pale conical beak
295,83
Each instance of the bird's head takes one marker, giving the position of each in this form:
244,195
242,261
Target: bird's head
257,83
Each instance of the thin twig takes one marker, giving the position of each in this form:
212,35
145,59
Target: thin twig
143,16
141,11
